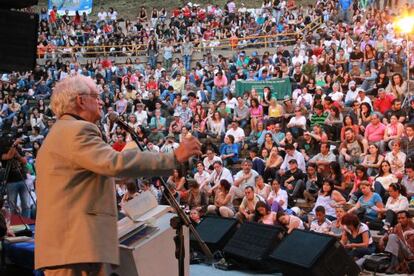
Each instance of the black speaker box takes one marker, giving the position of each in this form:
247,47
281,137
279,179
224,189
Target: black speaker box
313,254
215,232
18,33
252,244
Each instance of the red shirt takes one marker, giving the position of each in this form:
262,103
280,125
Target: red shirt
52,16
152,85
118,146
186,12
383,104
176,12
106,63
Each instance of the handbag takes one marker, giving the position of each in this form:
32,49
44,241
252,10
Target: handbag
377,262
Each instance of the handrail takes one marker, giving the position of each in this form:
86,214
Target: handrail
141,49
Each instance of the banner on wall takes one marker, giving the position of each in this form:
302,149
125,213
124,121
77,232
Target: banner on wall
279,87
72,6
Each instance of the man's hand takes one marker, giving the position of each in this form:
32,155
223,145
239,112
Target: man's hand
10,154
190,146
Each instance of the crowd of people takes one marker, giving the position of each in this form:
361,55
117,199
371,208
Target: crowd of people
343,142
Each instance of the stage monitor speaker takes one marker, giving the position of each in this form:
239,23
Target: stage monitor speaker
252,244
18,46
215,232
313,254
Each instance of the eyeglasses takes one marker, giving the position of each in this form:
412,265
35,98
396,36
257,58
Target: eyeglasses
93,95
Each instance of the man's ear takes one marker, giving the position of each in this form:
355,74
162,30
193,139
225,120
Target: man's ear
80,102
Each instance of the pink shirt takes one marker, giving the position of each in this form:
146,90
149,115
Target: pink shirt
375,133
220,82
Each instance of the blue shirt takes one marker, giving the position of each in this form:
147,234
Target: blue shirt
229,149
370,213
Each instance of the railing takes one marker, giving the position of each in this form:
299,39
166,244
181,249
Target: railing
231,43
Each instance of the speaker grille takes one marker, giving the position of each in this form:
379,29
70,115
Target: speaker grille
253,241
311,246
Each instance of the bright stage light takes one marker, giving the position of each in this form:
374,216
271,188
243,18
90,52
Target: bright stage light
405,24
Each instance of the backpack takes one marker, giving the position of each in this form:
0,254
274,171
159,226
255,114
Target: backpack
377,262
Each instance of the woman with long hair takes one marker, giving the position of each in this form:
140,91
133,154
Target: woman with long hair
288,140
268,142
198,126
216,126
365,112
372,161
179,181
329,198
263,214
369,56
397,86
384,179
265,101
290,222
256,113
223,205
333,123
152,53
348,122
272,164
360,175
335,174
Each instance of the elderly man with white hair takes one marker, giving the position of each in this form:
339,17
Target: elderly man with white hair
76,230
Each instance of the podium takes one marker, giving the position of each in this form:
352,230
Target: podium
153,253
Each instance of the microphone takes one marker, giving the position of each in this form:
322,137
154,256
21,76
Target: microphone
113,117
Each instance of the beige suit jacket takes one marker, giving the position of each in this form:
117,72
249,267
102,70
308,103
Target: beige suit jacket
76,211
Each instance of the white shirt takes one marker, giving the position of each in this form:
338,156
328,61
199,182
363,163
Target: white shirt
207,163
320,228
113,15
299,158
337,96
200,178
238,134
396,205
102,15
298,122
351,95
298,59
280,195
306,98
142,117
168,148
224,174
249,182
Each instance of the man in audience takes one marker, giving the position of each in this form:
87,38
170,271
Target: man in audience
320,224
353,149
293,180
245,177
248,205
400,241
374,132
218,174
292,153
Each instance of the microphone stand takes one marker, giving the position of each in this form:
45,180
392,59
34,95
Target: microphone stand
177,222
